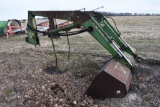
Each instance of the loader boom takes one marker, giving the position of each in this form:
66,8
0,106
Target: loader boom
116,70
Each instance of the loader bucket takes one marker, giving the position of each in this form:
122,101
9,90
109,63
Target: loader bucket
112,82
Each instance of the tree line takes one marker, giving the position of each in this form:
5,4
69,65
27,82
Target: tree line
130,14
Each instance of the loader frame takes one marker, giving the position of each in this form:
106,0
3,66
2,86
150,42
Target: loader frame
117,70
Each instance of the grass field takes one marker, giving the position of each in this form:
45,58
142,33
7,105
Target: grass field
28,75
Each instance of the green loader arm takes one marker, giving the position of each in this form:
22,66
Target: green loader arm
106,35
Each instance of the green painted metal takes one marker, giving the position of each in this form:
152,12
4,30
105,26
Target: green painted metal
112,32
67,27
107,42
32,35
3,25
99,36
105,34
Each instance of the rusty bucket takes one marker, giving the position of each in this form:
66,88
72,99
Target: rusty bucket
112,82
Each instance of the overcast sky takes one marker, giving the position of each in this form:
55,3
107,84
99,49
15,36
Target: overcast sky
17,9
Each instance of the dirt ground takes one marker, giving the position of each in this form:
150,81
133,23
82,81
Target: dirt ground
28,77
